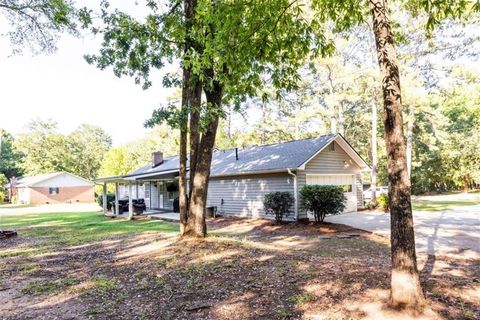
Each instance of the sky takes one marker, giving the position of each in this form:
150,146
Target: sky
63,87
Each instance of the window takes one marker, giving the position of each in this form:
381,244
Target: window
53,190
332,146
347,188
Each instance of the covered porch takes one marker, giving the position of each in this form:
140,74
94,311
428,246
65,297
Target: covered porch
156,192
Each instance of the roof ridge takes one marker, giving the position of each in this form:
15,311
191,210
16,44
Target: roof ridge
284,142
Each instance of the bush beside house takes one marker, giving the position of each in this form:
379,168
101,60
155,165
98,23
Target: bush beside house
278,203
323,200
383,202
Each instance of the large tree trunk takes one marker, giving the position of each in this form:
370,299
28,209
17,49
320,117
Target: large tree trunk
373,185
182,181
405,282
190,99
197,226
410,123
194,131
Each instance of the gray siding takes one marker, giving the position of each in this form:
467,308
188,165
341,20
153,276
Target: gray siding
330,162
243,195
301,181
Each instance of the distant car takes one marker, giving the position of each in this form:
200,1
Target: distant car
367,194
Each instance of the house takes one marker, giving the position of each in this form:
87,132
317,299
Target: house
56,187
241,177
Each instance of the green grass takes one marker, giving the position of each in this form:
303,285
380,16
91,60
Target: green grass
442,205
77,228
39,287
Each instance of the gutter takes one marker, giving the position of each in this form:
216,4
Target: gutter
295,191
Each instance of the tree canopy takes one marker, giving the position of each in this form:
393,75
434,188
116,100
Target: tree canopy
37,24
46,150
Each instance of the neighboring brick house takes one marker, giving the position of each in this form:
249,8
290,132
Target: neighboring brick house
57,187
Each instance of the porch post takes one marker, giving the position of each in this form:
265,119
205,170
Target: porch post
130,201
117,207
104,198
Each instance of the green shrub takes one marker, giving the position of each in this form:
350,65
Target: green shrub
383,201
3,189
323,200
110,199
278,203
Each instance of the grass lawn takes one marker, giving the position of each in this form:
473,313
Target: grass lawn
73,228
440,205
85,266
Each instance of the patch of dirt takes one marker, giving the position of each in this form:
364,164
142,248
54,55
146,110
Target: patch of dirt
247,269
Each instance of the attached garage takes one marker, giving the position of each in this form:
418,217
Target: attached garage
346,181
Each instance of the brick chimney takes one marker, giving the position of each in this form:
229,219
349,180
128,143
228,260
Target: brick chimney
157,158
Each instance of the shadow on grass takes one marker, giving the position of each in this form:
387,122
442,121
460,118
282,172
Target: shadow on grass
262,272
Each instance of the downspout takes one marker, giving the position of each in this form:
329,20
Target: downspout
295,191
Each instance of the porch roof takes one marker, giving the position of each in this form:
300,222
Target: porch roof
168,174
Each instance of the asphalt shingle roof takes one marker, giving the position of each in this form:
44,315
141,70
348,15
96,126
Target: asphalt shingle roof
32,180
291,154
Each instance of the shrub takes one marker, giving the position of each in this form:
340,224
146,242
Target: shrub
110,199
3,189
323,200
278,203
371,204
383,201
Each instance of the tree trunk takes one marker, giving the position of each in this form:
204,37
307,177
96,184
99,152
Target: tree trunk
263,134
411,121
341,119
194,130
373,185
197,226
333,125
405,282
189,12
182,181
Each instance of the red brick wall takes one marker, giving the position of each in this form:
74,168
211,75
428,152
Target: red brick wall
40,195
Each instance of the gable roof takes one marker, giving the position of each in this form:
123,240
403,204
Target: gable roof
271,157
265,158
33,180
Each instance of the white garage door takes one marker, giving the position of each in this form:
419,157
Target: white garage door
346,181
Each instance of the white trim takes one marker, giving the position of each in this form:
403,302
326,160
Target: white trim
149,174
352,153
130,201
302,166
295,192
346,147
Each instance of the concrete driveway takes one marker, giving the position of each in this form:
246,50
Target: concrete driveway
455,231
